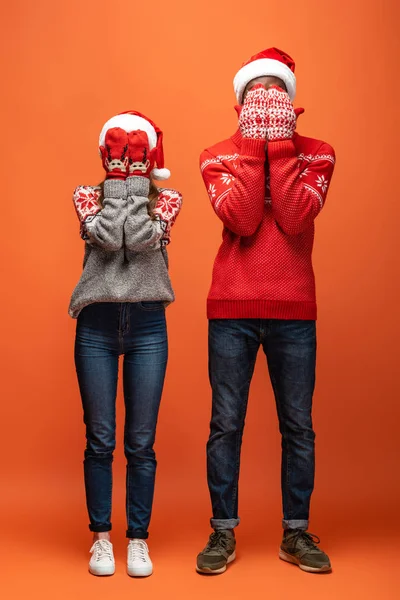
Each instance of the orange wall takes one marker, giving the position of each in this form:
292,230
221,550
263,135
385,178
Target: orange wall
68,67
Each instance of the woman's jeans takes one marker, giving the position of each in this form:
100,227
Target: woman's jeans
290,348
104,332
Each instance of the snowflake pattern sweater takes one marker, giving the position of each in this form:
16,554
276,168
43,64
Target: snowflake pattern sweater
267,201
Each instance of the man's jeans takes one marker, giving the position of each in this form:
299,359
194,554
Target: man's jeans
290,348
104,331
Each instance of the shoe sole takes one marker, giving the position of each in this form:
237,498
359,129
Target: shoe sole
296,561
139,574
209,571
99,574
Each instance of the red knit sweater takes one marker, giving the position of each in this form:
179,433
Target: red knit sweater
267,202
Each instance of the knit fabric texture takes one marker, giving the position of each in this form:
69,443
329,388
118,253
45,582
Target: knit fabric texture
267,196
125,252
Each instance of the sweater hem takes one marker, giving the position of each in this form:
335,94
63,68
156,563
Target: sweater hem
261,309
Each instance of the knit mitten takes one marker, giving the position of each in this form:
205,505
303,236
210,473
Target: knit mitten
115,153
141,158
253,118
281,115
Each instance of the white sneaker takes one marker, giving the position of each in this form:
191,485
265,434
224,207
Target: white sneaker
139,563
102,561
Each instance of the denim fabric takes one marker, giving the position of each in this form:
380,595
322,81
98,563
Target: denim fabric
104,332
290,348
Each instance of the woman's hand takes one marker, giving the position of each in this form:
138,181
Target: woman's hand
141,161
115,153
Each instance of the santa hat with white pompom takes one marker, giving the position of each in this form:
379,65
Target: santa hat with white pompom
132,120
270,62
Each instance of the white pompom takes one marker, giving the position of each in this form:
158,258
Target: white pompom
161,174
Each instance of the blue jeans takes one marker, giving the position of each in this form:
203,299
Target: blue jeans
290,348
104,332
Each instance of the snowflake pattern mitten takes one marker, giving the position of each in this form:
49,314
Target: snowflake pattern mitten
253,118
281,115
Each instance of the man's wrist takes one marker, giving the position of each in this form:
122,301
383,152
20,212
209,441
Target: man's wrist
281,149
253,147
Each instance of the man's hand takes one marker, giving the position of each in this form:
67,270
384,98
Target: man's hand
253,118
281,115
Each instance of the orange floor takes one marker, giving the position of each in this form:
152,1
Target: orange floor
48,558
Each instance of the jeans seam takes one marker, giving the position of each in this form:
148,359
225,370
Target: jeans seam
121,329
288,464
110,491
127,322
128,503
238,448
288,467
237,463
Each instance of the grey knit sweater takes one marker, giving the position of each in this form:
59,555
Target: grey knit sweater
124,259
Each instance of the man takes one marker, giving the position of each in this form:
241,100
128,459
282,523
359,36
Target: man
267,184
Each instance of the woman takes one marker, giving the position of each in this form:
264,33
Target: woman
120,303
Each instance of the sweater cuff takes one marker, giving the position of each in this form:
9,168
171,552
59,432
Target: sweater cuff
114,188
251,147
282,149
138,186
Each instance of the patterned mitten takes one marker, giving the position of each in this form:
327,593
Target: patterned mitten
253,118
141,159
281,115
115,153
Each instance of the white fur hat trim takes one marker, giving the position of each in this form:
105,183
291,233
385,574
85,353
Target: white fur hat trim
130,123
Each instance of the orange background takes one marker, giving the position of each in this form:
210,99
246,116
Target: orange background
69,66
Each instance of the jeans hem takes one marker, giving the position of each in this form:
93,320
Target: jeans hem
295,524
100,528
138,535
219,524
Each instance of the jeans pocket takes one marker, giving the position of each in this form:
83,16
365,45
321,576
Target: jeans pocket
152,306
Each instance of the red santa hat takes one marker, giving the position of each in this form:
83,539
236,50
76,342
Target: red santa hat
132,120
271,62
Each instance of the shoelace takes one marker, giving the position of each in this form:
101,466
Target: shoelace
138,551
307,539
217,539
102,549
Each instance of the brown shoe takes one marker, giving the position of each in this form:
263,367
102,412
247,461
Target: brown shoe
218,553
300,548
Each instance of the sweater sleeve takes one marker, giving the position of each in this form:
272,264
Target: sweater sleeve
141,232
167,209
298,193
237,196
102,226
